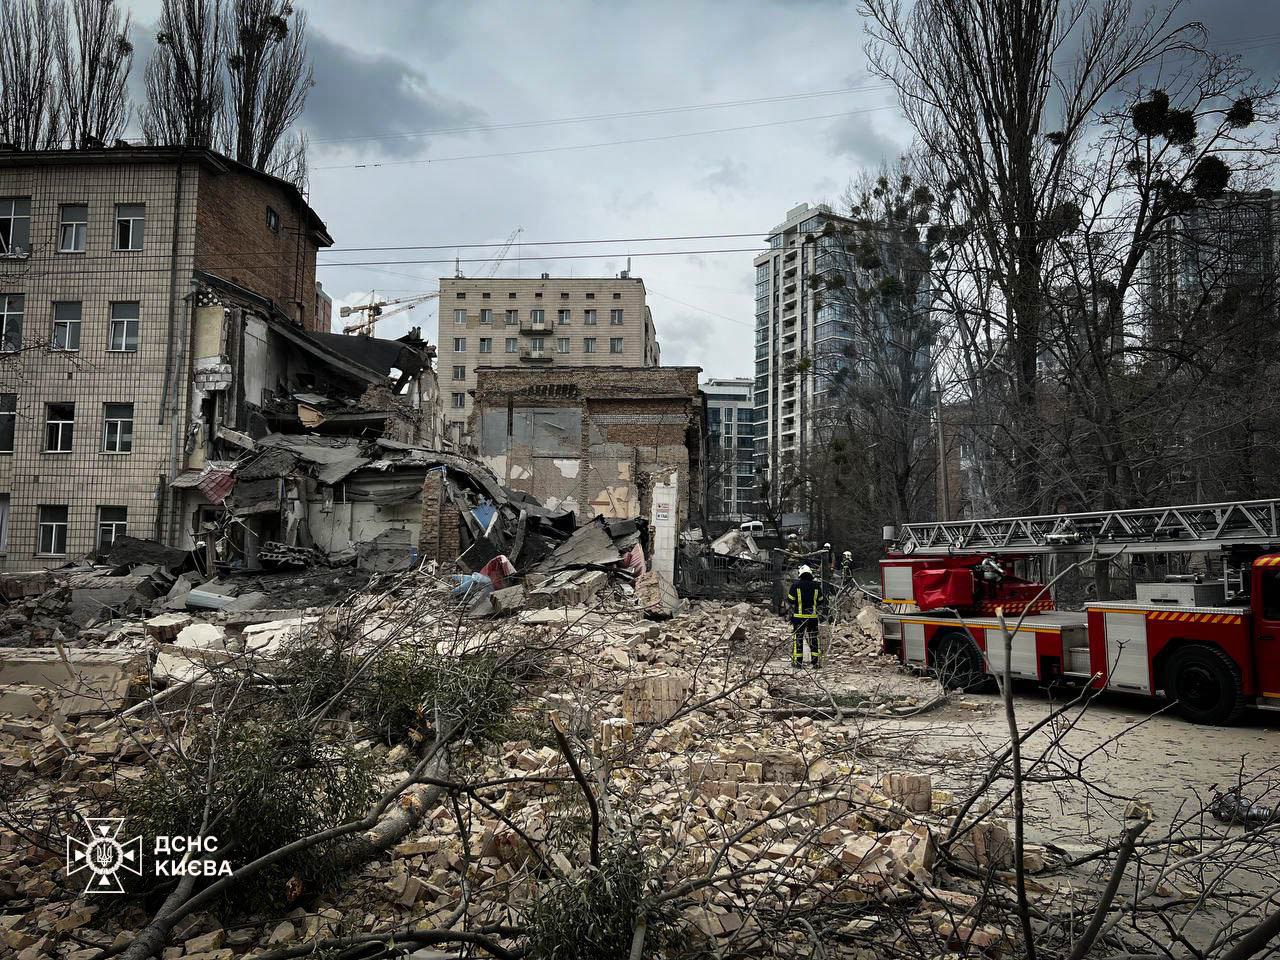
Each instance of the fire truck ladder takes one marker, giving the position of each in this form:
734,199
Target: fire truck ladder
1193,528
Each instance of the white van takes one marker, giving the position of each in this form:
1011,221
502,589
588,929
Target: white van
753,527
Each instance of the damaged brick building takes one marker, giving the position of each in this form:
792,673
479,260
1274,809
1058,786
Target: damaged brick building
596,440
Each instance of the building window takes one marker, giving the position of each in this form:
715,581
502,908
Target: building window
4,523
591,296
8,421
459,373
485,296
511,296
728,413
615,344
486,345
462,296
131,220
117,428
617,296
486,316
273,220
562,318
537,296
124,328
15,226
458,400
615,317
513,317
588,344
11,307
460,317
66,326
59,426
538,316
564,296
537,344
51,538
73,226
562,344
513,345
112,522
459,344
589,317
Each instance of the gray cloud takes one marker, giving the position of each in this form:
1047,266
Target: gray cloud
375,94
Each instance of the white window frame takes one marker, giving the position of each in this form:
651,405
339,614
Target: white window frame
538,316
459,372
590,317
486,316
486,344
54,528
616,345
459,344
63,430
137,227
11,319
512,318
513,344
562,344
459,318
66,332
79,229
9,413
121,326
458,401
537,344
9,214
588,344
615,317
116,437
117,528
563,317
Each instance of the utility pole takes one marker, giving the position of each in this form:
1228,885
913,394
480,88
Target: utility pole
944,509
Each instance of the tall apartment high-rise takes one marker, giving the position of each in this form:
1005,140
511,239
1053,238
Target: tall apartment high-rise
106,380
548,321
730,468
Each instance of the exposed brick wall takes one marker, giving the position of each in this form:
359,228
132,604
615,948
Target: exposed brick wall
440,539
233,241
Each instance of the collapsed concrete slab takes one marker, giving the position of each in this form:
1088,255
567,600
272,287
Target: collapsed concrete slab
73,681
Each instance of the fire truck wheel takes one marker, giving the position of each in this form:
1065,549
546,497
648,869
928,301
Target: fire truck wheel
957,662
1206,685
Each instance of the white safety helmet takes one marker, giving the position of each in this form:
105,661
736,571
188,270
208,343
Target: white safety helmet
805,571
848,554
827,545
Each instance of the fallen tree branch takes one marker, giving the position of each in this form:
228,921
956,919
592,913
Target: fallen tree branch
557,727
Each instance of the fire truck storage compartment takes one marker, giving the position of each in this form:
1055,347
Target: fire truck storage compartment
1126,645
1023,663
1183,594
913,638
897,582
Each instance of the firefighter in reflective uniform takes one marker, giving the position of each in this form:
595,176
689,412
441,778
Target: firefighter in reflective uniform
805,594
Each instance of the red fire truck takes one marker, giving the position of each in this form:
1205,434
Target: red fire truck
1209,642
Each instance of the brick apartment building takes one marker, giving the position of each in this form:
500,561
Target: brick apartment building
538,324
102,253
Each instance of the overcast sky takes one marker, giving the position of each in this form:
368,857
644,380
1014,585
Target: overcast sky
391,75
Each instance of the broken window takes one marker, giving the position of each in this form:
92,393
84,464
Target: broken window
15,226
124,328
117,428
273,220
112,522
11,309
59,427
459,373
486,345
130,225
562,318
591,296
513,345
66,326
615,317
8,421
589,317
73,227
51,539
588,344
562,344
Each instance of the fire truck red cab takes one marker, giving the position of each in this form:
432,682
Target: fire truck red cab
1210,646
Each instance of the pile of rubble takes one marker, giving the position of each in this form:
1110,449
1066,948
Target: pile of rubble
744,815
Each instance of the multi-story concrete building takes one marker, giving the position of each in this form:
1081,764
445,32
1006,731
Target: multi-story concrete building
547,322
731,471
106,384
787,333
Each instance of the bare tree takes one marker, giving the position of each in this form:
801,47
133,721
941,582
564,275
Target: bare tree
269,76
186,89
29,103
94,61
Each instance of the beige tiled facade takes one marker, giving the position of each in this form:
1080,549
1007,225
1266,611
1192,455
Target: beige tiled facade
545,322
99,479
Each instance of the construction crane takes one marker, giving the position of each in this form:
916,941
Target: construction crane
490,267
373,310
